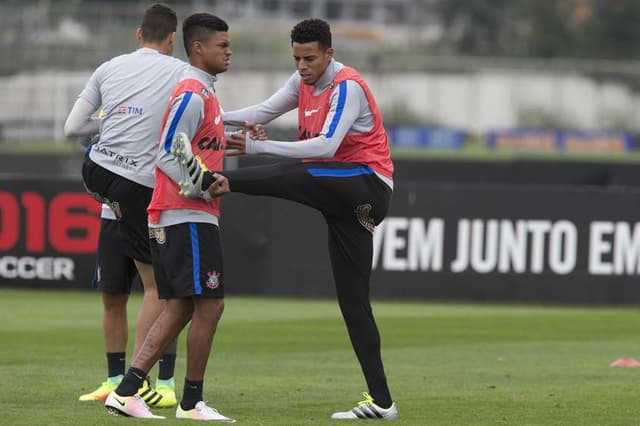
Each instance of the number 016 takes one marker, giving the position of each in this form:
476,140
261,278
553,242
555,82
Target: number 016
70,220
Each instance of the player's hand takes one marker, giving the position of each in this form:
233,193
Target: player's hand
256,131
236,144
219,187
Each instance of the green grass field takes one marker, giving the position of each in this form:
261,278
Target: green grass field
288,362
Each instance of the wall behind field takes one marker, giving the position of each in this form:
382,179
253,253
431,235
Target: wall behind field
36,105
528,231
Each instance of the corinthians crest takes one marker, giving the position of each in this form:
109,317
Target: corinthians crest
213,281
159,234
363,212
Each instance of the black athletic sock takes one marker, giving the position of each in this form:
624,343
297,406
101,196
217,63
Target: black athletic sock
115,363
166,366
191,394
385,404
131,382
207,180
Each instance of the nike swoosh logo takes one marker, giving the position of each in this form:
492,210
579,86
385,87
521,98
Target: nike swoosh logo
310,112
216,120
118,401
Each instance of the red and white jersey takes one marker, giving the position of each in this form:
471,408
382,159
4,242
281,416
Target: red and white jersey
205,128
338,117
371,148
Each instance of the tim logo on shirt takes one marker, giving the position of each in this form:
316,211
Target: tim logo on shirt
129,110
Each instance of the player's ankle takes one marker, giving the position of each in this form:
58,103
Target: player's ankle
207,180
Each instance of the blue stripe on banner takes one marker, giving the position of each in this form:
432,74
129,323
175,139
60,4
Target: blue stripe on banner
176,120
195,254
357,171
342,96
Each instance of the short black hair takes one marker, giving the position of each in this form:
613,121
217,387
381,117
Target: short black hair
199,26
158,22
311,30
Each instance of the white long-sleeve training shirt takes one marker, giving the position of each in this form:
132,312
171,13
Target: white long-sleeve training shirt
132,90
355,118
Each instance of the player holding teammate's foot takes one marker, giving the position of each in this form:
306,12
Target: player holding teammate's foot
347,176
185,245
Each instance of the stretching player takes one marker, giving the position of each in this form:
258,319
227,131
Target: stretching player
349,180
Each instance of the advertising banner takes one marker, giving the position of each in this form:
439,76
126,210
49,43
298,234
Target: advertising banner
535,243
570,141
48,233
434,138
511,242
493,242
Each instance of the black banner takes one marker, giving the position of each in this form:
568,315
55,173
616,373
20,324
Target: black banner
502,242
48,233
451,241
578,244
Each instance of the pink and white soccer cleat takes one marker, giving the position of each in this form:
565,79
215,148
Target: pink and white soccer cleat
129,406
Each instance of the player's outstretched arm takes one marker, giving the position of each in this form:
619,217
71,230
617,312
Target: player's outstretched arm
237,142
281,102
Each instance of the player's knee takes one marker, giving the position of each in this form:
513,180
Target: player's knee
209,309
180,308
114,302
216,305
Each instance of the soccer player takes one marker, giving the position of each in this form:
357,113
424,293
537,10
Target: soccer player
131,90
349,180
185,247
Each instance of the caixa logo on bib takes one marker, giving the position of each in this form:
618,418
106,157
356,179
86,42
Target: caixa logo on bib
43,233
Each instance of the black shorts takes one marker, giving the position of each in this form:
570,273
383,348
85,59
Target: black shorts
115,271
128,200
187,260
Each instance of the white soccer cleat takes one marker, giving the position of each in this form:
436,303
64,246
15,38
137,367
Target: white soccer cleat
191,168
202,412
129,406
367,409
